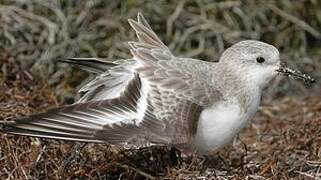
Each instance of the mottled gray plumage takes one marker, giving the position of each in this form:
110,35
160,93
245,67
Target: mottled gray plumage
156,97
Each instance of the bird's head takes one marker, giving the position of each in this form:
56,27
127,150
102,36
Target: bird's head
258,62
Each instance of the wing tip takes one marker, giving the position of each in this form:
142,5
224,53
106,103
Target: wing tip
69,60
5,124
94,65
132,23
140,15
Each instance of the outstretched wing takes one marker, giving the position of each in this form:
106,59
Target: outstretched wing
86,121
159,100
191,79
178,88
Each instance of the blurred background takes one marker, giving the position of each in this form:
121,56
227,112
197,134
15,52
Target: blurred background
34,34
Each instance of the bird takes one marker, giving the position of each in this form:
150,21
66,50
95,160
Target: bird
157,98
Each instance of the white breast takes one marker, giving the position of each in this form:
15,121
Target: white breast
220,123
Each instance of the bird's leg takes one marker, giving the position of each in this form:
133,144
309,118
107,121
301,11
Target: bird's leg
244,155
175,156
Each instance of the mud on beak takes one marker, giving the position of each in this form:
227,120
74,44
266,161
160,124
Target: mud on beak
286,71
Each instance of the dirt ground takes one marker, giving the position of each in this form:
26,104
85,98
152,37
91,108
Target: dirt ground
283,142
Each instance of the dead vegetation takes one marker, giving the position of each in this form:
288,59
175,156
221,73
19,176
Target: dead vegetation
283,142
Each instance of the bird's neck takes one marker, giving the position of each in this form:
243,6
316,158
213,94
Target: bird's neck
239,88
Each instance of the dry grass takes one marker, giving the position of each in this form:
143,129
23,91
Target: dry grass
283,141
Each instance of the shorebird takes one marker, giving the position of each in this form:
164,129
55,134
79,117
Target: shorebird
158,98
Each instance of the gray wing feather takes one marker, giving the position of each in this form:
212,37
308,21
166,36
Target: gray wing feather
189,78
85,121
180,88
92,65
145,34
179,117
112,77
109,84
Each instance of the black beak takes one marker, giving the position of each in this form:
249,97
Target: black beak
286,71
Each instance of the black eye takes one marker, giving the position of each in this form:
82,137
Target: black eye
260,59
